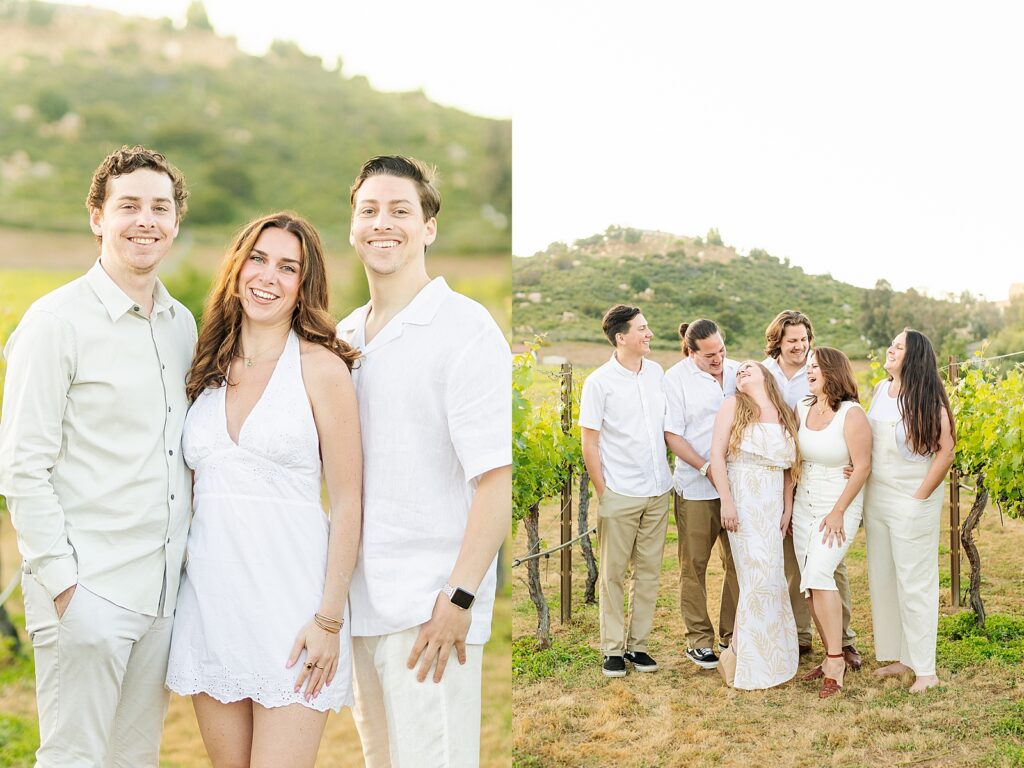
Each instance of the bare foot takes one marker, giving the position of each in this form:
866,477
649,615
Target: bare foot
924,683
896,668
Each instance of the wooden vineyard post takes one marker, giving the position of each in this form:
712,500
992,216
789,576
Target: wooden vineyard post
566,560
954,513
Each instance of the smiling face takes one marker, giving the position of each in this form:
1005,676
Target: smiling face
794,345
637,340
749,377
137,223
388,230
710,354
815,378
894,355
270,277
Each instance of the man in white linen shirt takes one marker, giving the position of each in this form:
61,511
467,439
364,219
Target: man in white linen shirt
788,346
91,466
622,421
695,388
434,387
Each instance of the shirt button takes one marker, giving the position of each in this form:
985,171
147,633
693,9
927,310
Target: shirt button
168,409
168,541
172,497
170,453
136,308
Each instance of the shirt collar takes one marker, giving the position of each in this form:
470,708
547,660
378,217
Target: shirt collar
116,301
623,370
420,311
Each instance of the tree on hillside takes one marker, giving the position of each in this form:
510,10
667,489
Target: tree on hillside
195,16
713,237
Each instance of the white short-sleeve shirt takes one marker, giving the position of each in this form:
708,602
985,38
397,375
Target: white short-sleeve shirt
628,409
434,388
795,389
694,399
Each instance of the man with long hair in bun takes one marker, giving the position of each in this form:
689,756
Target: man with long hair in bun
789,340
913,442
90,464
695,389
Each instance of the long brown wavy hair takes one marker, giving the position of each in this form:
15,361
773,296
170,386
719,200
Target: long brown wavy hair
922,396
839,383
222,315
747,413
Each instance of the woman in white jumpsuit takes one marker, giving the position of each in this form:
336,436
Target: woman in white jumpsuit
913,441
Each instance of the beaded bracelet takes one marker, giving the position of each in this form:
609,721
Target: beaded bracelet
327,624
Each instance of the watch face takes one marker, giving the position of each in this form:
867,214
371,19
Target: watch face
462,598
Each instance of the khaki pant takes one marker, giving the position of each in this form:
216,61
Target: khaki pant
100,673
403,723
629,529
801,612
699,524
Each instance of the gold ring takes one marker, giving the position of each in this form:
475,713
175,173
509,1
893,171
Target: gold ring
309,665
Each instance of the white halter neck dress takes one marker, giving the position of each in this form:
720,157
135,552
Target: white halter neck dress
257,549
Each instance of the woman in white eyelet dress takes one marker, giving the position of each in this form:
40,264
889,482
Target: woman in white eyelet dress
262,556
754,450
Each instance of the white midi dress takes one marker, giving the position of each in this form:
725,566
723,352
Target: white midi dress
764,638
822,481
257,549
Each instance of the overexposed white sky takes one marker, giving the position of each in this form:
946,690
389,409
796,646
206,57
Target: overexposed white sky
870,140
457,52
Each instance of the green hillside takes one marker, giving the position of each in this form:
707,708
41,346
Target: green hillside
565,290
252,134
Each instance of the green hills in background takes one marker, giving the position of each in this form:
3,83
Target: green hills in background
564,291
251,133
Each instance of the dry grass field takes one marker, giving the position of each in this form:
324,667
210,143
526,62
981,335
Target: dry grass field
568,714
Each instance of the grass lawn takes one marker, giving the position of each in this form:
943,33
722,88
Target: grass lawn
568,714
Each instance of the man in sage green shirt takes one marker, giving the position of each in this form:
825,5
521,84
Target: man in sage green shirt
90,463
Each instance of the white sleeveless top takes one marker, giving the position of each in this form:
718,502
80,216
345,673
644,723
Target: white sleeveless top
825,446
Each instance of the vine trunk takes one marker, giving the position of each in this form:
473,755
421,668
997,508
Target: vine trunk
532,521
971,550
588,551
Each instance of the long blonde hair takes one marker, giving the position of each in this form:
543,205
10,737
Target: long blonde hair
222,316
748,412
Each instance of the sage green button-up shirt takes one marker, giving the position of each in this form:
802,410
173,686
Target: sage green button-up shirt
90,442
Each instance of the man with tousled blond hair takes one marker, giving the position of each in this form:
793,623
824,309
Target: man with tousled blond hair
90,464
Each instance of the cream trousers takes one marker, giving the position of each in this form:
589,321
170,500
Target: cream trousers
100,675
403,723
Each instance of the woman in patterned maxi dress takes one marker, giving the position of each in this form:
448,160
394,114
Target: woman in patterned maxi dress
754,460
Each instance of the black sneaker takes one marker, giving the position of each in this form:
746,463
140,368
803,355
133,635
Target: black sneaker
641,661
613,666
703,657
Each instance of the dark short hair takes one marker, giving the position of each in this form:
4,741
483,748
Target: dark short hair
421,174
127,160
616,320
777,329
698,330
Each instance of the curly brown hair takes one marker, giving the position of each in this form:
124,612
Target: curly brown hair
126,160
777,329
222,317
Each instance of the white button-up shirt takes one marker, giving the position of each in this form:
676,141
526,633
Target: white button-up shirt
628,409
795,389
694,399
434,388
90,459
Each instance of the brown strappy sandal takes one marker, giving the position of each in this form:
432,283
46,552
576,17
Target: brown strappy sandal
828,685
814,674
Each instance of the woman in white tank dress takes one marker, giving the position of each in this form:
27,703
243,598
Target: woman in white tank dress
834,434
914,440
754,447
260,638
